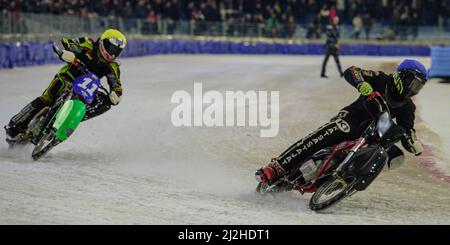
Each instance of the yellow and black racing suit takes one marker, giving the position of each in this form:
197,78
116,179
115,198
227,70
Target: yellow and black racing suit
86,50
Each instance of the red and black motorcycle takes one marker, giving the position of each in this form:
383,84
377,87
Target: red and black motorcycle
337,172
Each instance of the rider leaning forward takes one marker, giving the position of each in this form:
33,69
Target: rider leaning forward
397,89
99,56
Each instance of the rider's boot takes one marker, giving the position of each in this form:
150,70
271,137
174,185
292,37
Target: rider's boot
19,122
266,175
270,174
11,133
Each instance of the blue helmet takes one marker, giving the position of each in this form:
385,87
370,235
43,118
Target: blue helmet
410,77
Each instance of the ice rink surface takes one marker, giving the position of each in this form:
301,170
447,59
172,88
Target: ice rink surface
131,166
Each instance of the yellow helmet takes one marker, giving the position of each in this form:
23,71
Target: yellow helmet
111,44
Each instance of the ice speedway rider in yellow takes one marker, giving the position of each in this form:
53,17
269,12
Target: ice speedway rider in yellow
99,57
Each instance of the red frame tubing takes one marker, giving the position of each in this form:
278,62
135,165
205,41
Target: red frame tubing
312,187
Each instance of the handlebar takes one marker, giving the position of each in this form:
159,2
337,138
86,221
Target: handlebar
101,88
77,62
381,102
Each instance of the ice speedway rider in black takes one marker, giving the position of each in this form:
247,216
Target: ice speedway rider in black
397,89
99,57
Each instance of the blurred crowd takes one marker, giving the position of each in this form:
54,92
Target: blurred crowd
274,18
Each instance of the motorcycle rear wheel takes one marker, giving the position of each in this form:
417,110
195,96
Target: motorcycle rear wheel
331,192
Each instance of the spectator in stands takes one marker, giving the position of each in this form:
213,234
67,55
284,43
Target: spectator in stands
151,25
171,15
258,8
357,26
259,23
198,21
291,27
301,8
277,9
403,23
312,9
3,5
313,31
127,14
242,26
324,18
444,15
140,11
72,8
273,26
212,16
386,34
367,23
332,12
14,8
340,8
268,11
127,10
414,23
256,13
352,9
100,8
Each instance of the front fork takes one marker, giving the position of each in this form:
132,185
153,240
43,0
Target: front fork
339,170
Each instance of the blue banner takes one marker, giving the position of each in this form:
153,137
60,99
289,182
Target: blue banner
440,62
39,53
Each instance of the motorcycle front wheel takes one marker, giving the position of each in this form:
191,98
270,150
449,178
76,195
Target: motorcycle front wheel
331,192
44,145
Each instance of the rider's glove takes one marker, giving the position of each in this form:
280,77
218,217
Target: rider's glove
63,54
67,56
364,88
411,144
114,98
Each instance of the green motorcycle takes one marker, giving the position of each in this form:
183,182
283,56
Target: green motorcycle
54,124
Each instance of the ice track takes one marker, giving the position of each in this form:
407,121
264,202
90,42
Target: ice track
131,166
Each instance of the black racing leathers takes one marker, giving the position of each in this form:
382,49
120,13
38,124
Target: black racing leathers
332,48
351,120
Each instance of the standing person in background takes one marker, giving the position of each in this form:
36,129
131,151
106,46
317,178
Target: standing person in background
332,46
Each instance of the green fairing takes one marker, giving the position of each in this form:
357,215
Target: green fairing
68,118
